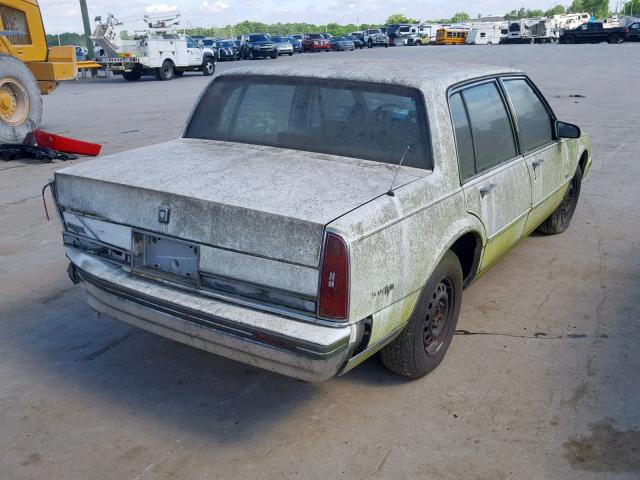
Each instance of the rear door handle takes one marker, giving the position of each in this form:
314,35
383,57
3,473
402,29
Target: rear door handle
488,189
537,163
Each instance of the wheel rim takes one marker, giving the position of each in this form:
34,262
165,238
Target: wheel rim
14,102
568,203
209,66
438,320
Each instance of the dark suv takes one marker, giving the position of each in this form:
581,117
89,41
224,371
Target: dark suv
258,45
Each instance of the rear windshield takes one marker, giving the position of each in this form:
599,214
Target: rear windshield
352,119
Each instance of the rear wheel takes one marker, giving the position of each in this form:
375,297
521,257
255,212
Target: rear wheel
20,101
614,38
165,72
421,346
560,219
570,39
274,55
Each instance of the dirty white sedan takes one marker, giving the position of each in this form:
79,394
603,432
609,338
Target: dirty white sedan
308,220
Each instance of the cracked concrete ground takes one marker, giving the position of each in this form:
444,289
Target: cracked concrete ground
549,390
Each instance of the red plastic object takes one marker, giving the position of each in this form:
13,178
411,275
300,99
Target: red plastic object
65,144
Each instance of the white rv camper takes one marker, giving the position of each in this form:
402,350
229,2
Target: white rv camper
484,36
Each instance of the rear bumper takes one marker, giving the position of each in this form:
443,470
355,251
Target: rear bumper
306,351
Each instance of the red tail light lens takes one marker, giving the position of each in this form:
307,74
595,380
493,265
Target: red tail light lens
334,279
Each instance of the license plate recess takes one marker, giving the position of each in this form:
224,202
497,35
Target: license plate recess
153,253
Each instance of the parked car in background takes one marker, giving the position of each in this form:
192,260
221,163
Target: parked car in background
376,237
374,37
297,36
258,45
283,45
227,50
632,32
592,32
315,42
342,44
297,44
357,41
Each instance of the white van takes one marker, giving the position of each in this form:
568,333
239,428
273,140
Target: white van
484,36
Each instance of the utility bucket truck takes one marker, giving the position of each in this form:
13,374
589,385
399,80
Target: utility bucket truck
160,50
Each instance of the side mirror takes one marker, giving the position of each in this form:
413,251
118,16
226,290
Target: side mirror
567,130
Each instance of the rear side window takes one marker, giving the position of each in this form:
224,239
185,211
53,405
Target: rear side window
490,125
534,120
484,137
353,119
464,141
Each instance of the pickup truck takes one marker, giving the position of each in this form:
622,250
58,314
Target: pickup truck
592,32
375,37
309,218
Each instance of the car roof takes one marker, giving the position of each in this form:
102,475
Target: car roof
425,76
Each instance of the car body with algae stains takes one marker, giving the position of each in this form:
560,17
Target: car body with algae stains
310,217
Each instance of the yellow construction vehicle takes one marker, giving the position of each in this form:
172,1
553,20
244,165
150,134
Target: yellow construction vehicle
28,68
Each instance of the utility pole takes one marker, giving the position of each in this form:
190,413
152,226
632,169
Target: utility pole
87,29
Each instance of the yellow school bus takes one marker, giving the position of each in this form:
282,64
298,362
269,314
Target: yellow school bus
451,36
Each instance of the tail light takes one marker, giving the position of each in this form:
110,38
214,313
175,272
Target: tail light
334,279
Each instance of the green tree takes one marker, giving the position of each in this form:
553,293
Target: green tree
400,18
460,17
66,38
598,8
557,10
632,8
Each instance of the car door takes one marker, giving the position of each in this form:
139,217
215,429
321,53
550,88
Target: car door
194,52
543,153
493,174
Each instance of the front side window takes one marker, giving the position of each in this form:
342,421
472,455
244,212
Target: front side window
191,43
534,120
352,119
15,23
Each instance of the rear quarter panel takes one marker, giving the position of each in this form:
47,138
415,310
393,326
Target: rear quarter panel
397,241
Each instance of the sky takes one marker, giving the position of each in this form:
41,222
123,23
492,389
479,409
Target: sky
64,15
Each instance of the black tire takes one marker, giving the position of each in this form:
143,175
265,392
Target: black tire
370,44
178,73
208,66
561,217
421,346
570,39
274,55
614,38
291,54
252,56
132,76
21,94
165,72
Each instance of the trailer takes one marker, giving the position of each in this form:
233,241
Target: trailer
484,36
530,31
159,51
